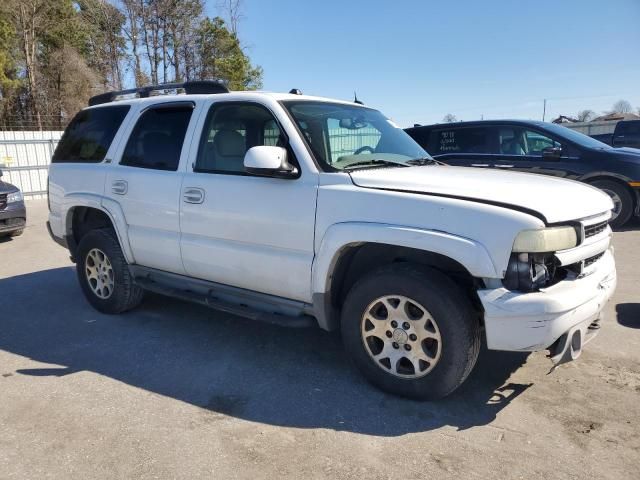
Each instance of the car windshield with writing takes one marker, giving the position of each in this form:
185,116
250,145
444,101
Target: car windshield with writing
346,137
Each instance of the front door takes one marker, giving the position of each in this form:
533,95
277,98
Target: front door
146,184
246,231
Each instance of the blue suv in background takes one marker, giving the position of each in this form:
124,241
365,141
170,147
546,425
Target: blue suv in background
539,147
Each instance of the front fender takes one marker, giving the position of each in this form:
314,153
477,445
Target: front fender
469,253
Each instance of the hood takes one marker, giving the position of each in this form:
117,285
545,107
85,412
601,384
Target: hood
557,200
7,187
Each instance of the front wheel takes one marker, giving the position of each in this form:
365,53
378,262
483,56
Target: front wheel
622,201
103,273
411,331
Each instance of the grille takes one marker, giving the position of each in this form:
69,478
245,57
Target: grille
591,260
595,229
3,201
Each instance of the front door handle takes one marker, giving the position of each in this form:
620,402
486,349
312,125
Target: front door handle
479,164
503,166
119,187
193,195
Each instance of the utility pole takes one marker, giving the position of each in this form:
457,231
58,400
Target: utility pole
544,109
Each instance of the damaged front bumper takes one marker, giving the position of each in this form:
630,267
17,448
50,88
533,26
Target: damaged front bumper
561,318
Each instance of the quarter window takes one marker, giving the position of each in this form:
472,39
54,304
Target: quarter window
156,140
229,131
89,135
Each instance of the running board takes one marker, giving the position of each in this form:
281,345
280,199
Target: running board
275,311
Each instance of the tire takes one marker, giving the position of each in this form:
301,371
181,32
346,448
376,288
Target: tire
450,316
114,291
16,233
621,197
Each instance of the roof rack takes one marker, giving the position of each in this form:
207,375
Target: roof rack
190,88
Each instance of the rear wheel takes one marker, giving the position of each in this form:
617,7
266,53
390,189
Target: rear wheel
103,273
411,331
622,201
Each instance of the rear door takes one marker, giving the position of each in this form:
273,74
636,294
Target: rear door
146,180
462,146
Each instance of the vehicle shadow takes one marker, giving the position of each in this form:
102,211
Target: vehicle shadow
628,314
227,365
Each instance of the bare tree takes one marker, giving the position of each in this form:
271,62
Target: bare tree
449,118
585,115
622,106
232,13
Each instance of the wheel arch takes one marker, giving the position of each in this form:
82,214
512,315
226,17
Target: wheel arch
83,217
341,261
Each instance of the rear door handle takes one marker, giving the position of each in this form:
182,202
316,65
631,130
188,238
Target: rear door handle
503,166
479,164
119,187
193,195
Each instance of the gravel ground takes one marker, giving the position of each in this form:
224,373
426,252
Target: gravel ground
174,390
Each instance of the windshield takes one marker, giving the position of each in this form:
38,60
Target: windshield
350,136
575,137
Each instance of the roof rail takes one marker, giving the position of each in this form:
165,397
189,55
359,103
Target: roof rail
190,88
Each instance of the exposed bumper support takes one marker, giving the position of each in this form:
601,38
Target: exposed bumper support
530,322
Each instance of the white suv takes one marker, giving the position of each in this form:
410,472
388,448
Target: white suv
299,211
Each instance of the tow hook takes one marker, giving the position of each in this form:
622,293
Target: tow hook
567,348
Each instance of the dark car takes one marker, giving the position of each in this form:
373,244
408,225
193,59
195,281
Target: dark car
539,147
13,214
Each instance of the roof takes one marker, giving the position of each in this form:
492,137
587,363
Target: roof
233,95
478,123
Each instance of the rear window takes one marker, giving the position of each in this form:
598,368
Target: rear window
463,140
89,135
628,128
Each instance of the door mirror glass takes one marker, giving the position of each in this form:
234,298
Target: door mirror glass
551,153
268,161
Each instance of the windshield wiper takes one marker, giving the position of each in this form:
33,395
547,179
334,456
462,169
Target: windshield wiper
424,161
373,163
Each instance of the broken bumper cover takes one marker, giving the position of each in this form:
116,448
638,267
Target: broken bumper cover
528,322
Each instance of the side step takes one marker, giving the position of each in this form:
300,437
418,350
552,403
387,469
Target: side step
210,300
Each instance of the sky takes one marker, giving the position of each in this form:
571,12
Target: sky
420,60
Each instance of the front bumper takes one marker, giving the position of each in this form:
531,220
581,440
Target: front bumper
528,322
13,217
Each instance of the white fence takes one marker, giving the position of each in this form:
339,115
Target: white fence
25,159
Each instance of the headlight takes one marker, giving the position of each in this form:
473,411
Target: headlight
545,240
14,197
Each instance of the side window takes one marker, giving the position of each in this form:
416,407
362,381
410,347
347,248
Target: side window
463,140
156,140
89,135
537,142
517,141
231,129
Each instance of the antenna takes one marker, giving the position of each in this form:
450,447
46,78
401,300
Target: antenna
355,99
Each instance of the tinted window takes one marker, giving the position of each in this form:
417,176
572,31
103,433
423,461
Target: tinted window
628,128
463,140
157,138
229,131
89,135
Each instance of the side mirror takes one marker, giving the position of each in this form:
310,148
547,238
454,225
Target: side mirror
551,153
268,161
1,172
